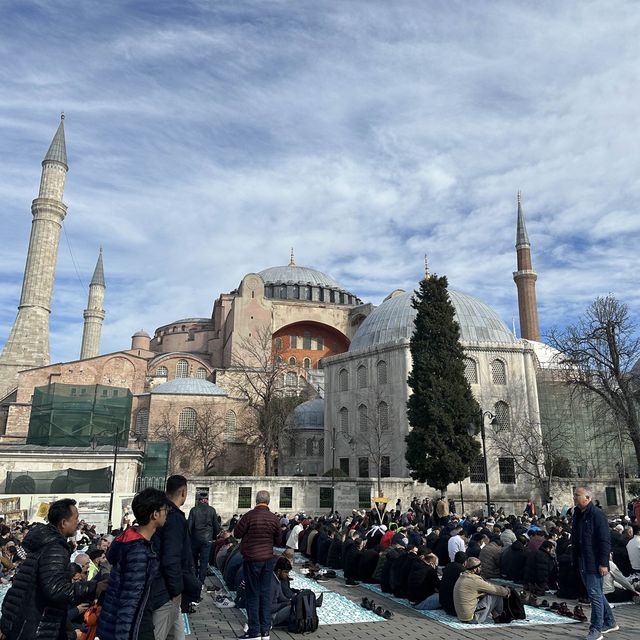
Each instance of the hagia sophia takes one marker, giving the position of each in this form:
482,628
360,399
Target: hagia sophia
348,357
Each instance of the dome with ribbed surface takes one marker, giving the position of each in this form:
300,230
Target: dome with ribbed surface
189,387
394,320
309,415
298,275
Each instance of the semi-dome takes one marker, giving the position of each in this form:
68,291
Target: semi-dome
394,320
309,415
189,387
292,274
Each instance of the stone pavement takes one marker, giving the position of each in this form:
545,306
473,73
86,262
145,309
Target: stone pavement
211,623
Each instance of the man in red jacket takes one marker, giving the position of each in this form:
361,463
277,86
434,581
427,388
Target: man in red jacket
258,531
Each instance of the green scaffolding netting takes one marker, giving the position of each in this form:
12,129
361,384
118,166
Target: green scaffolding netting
156,460
59,481
79,415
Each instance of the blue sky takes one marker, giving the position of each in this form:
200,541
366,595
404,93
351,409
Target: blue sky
207,138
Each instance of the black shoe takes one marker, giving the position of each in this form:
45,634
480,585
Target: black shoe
351,583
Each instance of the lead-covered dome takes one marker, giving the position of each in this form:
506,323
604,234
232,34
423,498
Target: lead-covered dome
394,319
309,415
292,274
189,387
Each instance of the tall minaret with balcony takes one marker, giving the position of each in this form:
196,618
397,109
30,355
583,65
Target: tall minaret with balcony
28,342
94,313
525,278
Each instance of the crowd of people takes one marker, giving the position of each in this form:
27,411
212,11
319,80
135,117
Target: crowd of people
66,581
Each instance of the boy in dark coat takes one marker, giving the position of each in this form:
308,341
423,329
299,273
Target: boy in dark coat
125,611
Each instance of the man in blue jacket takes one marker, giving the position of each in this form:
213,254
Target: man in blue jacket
177,576
591,547
125,613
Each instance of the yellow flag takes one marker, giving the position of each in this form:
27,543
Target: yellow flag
43,510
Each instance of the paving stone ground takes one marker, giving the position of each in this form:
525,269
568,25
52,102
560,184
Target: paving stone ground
211,623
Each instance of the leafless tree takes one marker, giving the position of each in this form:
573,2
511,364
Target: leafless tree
203,441
598,354
257,376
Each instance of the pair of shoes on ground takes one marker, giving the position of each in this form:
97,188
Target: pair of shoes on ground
246,636
370,605
224,602
351,583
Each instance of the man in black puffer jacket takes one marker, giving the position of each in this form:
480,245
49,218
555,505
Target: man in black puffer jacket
514,560
204,528
36,604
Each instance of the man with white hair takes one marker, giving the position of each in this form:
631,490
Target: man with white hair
258,531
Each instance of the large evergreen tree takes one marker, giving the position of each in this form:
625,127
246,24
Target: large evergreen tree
441,407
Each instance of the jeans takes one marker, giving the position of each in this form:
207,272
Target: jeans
429,603
201,552
601,612
257,582
487,605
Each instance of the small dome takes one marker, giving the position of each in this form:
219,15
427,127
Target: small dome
141,334
189,387
309,415
298,275
393,320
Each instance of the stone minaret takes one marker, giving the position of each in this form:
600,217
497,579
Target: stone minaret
525,278
28,342
94,313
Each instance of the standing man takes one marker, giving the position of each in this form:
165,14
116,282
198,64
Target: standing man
203,527
42,591
591,547
177,576
258,531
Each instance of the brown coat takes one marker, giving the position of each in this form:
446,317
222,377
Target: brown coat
259,532
469,588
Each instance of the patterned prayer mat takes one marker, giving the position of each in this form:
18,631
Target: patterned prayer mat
534,616
335,609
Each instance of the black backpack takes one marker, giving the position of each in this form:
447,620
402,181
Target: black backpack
513,609
303,617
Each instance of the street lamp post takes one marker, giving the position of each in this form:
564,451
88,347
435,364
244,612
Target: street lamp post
333,468
492,420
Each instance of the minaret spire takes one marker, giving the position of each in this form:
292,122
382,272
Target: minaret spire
292,262
28,342
94,313
525,278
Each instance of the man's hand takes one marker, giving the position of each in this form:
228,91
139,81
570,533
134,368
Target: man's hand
83,607
603,571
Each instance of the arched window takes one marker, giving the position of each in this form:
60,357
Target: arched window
293,341
306,363
383,415
279,382
321,447
363,418
381,369
292,361
291,379
278,344
344,420
310,447
502,414
142,423
306,340
343,380
279,361
498,372
471,371
320,343
292,447
362,377
283,292
187,421
301,381
201,373
162,372
182,369
230,425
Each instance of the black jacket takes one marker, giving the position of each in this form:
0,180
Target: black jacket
400,571
351,561
172,545
422,582
539,571
448,581
334,557
590,538
203,523
324,544
514,561
368,563
392,557
36,605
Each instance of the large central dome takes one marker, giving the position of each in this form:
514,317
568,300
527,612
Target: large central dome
292,274
394,320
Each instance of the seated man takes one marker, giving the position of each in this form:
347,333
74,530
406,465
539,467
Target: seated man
616,587
541,569
491,558
281,593
423,584
475,599
450,575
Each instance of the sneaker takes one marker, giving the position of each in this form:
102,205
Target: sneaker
594,634
267,637
610,629
246,636
227,603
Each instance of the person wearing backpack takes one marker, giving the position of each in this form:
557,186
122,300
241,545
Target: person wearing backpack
36,604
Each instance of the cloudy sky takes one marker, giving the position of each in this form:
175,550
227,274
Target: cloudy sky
206,138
